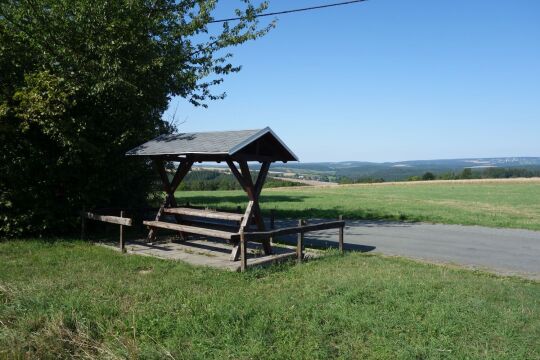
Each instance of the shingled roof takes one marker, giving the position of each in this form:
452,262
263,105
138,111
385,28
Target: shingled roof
250,145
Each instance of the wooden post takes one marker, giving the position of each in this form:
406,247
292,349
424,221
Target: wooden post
243,252
83,223
122,242
300,243
341,230
253,211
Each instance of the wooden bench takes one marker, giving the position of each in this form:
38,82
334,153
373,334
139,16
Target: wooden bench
209,214
232,236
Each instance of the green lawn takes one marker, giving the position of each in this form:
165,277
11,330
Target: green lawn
67,299
490,203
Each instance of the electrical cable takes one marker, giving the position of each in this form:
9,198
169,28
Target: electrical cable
292,10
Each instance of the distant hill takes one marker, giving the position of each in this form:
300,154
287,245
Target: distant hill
395,171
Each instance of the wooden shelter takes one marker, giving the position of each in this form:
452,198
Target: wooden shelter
236,148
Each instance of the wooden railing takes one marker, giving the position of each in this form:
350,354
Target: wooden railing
301,229
119,220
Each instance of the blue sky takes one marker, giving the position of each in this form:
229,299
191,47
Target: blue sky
388,80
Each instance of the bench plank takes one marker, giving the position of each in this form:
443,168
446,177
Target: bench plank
209,214
192,229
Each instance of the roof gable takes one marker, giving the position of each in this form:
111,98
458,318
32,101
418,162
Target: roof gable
250,144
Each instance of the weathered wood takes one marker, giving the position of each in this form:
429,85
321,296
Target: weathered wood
300,244
261,227
193,230
341,231
235,253
205,213
246,175
243,252
159,164
261,178
253,195
181,172
272,219
258,235
169,188
252,213
122,242
108,219
247,215
153,231
236,173
211,225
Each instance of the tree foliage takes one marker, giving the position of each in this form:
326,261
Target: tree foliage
210,180
82,81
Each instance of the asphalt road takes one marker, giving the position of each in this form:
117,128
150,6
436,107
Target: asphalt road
503,251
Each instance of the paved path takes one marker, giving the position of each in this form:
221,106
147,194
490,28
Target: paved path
504,251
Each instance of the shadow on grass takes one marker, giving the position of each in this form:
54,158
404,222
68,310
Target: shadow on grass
271,202
314,241
237,199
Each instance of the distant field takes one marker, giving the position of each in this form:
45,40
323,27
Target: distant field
511,203
69,299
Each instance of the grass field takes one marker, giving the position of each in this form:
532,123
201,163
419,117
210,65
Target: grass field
513,204
72,299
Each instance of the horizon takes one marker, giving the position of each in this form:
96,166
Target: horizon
384,81
445,159
382,162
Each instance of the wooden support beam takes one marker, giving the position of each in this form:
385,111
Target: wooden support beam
263,172
246,175
181,172
169,187
253,191
341,231
300,243
235,253
153,231
261,227
159,164
236,173
243,252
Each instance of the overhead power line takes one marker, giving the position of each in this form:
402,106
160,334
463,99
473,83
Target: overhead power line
293,10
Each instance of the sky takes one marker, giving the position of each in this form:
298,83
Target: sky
387,80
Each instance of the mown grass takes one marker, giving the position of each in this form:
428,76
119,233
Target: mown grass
66,299
492,203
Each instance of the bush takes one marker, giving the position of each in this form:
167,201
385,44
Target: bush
84,81
428,176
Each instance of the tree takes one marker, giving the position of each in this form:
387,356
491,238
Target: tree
428,176
467,173
82,81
